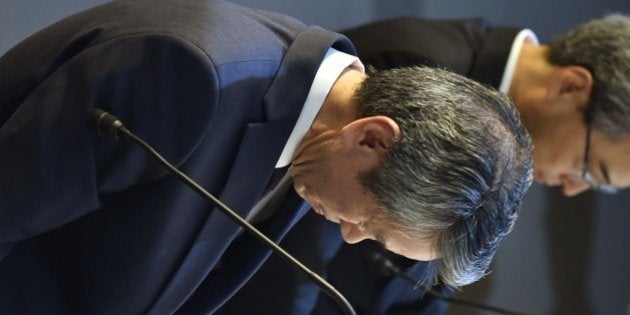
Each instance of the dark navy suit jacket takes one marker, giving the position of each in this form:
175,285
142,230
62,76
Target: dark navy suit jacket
469,47
90,225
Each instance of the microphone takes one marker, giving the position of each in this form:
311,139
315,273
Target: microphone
388,268
106,123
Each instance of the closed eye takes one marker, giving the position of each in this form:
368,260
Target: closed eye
604,169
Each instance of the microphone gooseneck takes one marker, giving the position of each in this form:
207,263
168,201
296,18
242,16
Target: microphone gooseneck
107,123
389,268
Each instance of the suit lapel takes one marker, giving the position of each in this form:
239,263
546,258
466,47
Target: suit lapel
257,156
243,258
252,168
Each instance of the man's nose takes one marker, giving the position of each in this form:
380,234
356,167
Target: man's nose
571,187
352,233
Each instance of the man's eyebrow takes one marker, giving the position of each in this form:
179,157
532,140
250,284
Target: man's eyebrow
604,169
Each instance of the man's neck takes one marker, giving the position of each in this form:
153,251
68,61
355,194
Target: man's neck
531,74
339,108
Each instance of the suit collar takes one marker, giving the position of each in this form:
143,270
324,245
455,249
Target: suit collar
492,57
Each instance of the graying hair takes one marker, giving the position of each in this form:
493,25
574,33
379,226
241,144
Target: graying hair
459,172
603,47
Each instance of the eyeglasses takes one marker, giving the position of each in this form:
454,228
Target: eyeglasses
587,177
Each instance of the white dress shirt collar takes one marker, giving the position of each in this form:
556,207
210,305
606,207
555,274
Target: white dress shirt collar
331,68
523,36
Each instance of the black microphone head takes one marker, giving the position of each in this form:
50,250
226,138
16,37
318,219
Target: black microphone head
104,122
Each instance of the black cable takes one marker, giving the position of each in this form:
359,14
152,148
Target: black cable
388,267
107,123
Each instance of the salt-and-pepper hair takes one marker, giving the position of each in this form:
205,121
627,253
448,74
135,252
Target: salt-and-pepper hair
458,174
603,47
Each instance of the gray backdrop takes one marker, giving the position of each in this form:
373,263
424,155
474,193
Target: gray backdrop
565,256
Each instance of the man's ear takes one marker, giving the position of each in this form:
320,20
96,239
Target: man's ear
573,82
371,134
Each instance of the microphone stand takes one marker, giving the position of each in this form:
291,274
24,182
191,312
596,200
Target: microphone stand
108,123
391,268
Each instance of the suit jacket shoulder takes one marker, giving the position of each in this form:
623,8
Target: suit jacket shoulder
470,47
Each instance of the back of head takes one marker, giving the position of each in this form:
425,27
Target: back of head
459,172
603,47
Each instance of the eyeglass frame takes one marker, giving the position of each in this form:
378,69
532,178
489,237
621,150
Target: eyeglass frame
586,176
